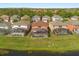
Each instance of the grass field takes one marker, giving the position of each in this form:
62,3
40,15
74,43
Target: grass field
54,43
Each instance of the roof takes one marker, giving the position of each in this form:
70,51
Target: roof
57,16
4,17
40,24
21,23
73,22
25,17
75,17
57,23
46,16
15,17
36,17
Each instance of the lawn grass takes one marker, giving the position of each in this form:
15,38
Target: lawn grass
54,43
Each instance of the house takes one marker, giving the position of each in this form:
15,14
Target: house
25,18
56,24
61,31
36,18
15,18
39,29
57,18
20,28
5,18
45,18
73,25
4,28
74,18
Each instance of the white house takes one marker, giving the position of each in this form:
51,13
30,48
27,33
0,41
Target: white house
45,18
74,18
36,18
57,18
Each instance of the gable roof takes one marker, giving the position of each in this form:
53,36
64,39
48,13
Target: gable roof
40,23
57,23
75,17
46,17
4,17
35,17
15,17
25,17
56,16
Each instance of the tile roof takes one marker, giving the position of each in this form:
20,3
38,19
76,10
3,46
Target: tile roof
40,24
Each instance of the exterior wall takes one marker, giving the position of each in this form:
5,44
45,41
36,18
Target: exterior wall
36,19
45,19
54,27
40,35
56,19
6,20
22,26
51,27
17,34
11,21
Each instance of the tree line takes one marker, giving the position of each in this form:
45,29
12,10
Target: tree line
65,13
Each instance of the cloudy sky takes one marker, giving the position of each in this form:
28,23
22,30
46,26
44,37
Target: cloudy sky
39,5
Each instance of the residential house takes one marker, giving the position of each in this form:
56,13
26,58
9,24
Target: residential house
5,18
25,18
39,29
45,18
61,31
15,18
74,18
56,24
4,28
20,28
36,18
73,25
57,18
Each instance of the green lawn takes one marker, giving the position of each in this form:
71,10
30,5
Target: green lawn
53,43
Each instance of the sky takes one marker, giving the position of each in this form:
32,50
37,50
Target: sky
39,5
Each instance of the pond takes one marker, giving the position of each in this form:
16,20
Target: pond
37,53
